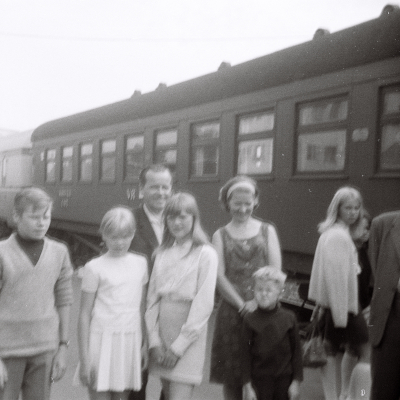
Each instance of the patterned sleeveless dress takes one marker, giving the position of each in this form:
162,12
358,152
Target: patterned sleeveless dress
242,259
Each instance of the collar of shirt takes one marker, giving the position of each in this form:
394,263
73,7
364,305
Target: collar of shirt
157,223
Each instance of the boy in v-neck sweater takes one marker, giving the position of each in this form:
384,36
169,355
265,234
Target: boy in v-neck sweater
35,299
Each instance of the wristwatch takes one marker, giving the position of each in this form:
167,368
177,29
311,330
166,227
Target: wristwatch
64,343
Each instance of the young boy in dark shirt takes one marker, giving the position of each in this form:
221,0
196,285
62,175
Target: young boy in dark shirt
272,358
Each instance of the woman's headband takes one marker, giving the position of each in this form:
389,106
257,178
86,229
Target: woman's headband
241,185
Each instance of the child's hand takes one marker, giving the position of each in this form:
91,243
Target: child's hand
294,390
3,374
170,359
249,306
157,354
248,392
59,364
145,357
87,376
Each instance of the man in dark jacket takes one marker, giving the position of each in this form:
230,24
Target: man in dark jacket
155,188
384,252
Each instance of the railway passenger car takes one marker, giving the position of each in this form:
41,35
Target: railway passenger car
15,173
302,121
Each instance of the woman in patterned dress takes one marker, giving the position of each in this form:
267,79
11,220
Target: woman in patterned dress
244,245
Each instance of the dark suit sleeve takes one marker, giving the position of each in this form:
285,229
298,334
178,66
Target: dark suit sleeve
375,238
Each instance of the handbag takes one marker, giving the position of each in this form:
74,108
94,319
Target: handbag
314,353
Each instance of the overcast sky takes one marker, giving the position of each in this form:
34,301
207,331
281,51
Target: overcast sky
60,57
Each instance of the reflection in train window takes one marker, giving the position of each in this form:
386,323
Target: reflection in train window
205,149
390,130
86,162
322,136
256,143
50,165
134,156
66,166
166,148
108,158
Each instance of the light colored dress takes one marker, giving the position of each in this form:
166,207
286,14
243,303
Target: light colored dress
115,329
333,281
179,303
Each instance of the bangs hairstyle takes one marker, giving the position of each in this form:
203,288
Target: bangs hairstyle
225,195
33,196
342,195
176,204
270,274
118,221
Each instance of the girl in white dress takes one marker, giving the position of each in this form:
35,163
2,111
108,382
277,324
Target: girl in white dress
111,344
180,299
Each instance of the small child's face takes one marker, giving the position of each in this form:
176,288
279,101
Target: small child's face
266,294
33,223
117,244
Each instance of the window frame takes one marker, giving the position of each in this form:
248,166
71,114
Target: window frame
83,158
108,155
70,160
383,121
201,143
166,147
54,161
263,135
129,178
321,128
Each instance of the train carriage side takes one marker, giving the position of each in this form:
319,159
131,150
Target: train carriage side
303,122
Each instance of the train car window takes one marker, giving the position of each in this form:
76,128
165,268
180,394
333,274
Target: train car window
205,149
66,169
86,162
322,135
165,149
108,158
390,130
255,143
50,165
134,156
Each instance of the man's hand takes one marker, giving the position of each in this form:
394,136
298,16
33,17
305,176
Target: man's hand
294,390
248,392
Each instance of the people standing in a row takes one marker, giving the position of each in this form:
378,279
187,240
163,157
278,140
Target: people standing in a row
35,300
155,183
244,245
384,250
334,286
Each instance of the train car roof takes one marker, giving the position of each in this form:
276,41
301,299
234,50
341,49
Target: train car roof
371,41
15,141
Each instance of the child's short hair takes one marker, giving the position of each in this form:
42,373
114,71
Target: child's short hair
33,196
118,220
270,274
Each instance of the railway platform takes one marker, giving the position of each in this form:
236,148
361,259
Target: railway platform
311,388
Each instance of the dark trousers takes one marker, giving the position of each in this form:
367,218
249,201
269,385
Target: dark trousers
385,362
141,394
272,388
